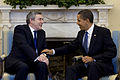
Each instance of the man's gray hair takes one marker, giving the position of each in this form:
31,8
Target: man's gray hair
31,15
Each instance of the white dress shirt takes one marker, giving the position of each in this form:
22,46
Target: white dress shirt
32,31
90,31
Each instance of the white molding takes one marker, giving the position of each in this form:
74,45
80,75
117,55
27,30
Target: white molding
55,7
58,22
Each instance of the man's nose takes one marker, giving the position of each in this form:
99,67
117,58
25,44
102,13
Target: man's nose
41,21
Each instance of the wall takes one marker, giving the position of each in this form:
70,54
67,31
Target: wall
114,14
1,2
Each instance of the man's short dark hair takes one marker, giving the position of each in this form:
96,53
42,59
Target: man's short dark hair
31,15
86,14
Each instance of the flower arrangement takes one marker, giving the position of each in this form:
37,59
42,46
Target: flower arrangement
60,3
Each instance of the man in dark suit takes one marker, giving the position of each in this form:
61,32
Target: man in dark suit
96,45
28,42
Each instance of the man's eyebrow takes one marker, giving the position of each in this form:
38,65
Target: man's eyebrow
41,18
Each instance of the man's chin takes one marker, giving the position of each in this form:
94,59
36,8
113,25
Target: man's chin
81,28
40,27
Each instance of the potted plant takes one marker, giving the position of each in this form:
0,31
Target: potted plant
61,3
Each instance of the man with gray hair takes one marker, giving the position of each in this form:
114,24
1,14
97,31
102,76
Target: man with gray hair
25,56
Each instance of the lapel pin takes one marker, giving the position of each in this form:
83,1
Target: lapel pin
94,34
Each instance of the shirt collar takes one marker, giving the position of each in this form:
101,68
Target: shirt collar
31,29
90,30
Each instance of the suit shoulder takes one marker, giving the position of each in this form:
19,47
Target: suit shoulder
21,26
102,28
42,31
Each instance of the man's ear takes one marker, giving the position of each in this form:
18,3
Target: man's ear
31,20
87,20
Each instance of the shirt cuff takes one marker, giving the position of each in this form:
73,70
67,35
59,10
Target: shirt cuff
94,60
53,51
36,59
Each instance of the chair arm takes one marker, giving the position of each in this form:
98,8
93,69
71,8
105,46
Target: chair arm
2,57
77,58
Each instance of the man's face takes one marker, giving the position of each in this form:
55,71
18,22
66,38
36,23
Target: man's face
37,22
83,24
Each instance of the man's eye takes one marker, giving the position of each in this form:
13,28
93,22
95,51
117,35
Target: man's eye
41,19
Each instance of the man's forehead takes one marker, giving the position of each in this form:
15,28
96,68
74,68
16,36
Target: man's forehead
39,15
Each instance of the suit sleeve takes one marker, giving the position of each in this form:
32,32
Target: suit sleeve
74,45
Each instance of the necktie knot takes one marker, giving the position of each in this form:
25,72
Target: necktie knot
35,34
86,34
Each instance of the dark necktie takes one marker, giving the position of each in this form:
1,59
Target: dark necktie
35,40
85,44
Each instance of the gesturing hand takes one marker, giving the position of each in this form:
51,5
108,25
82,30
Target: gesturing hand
48,51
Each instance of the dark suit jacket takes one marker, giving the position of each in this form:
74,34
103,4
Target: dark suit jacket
102,47
23,45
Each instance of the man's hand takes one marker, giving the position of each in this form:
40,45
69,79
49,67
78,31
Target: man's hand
43,58
87,59
48,51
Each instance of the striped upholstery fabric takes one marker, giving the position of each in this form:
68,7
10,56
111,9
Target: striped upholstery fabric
111,77
7,76
116,39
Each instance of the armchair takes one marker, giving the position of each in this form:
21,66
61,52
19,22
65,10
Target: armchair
1,66
7,37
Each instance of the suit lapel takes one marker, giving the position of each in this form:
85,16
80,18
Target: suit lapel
93,40
29,34
82,32
81,36
39,38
